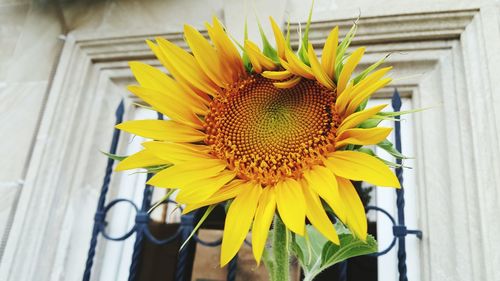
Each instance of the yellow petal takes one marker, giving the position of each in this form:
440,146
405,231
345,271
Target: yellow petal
355,119
348,68
153,78
170,108
183,83
318,72
184,173
259,61
238,220
206,55
330,52
288,83
291,205
297,67
165,130
227,50
356,216
228,191
200,190
361,167
277,75
369,80
344,98
184,66
362,136
140,159
323,182
317,215
362,96
262,222
280,39
178,152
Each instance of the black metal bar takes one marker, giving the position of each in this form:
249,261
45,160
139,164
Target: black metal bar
231,269
100,214
182,268
141,225
343,271
141,222
400,193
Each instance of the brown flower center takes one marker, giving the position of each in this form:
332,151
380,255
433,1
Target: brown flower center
266,133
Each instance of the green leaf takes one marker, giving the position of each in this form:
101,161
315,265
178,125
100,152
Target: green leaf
389,147
114,156
311,246
297,251
315,253
349,247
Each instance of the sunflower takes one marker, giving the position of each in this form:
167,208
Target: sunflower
271,130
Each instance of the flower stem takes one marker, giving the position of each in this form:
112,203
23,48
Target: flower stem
281,252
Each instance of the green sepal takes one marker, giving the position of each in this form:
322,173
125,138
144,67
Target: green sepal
143,106
349,147
227,205
153,169
367,71
246,60
163,199
114,156
362,106
287,38
399,113
388,163
198,225
156,169
267,48
389,147
302,53
342,48
381,117
370,123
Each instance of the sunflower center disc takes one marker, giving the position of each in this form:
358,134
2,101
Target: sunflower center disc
266,133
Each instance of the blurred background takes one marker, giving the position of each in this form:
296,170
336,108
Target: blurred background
63,73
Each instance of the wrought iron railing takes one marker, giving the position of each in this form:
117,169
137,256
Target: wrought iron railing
399,229
183,266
